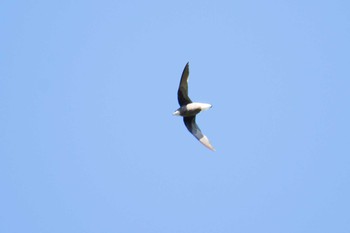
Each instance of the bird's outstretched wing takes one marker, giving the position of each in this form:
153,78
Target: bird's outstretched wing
182,93
191,125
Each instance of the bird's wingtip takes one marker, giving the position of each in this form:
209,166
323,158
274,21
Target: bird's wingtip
205,141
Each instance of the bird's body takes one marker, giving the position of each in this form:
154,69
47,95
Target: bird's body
191,109
188,109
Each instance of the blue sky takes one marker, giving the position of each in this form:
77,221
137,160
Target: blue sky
89,143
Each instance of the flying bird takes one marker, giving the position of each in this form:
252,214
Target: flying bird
188,109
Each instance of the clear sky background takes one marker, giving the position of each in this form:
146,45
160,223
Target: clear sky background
88,143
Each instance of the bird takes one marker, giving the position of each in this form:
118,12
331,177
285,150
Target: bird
188,109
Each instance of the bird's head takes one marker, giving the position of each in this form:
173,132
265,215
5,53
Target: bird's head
205,106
